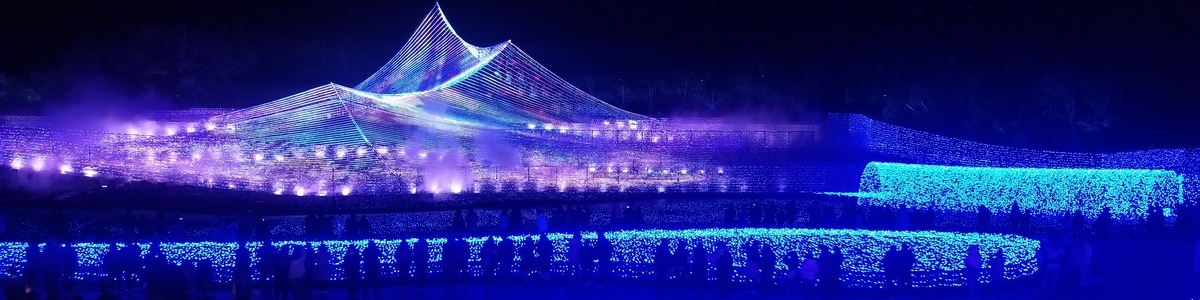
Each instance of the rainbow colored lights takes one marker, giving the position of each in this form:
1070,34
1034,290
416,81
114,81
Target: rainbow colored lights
444,116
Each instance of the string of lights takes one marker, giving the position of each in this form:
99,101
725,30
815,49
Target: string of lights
1128,193
445,116
939,255
915,146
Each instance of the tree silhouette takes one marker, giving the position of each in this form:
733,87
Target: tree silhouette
1076,103
181,62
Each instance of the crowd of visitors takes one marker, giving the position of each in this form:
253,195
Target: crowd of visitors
1065,257
835,213
302,272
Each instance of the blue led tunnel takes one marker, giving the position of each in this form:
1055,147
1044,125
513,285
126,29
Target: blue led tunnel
1129,193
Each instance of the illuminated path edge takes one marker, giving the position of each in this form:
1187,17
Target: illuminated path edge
939,254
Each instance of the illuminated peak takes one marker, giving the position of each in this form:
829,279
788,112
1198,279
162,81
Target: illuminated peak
433,55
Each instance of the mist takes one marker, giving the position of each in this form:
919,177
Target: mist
96,104
492,150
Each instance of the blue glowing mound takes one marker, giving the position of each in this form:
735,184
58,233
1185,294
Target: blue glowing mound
1129,193
939,254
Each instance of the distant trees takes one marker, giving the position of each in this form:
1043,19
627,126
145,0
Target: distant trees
1076,104
24,95
624,93
181,62
186,64
1019,104
701,93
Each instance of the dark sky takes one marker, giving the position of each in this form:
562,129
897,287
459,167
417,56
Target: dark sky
575,37
1151,45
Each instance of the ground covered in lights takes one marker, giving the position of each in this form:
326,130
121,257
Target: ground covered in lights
577,292
665,214
939,254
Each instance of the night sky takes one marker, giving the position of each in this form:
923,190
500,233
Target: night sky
839,56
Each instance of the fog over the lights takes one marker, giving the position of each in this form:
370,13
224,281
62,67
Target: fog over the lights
38,164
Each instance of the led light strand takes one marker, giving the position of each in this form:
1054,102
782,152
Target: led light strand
939,255
1128,193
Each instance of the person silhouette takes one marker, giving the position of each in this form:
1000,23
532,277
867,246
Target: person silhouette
767,264
575,257
454,261
983,216
588,264
132,256
403,259
830,265
545,254
352,270
891,269
529,263
488,260
908,259
297,273
662,262
996,270
281,267
266,266
112,263
421,261
505,255
70,259
699,265
723,260
810,269
459,223
974,268
321,272
679,263
371,267
604,253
